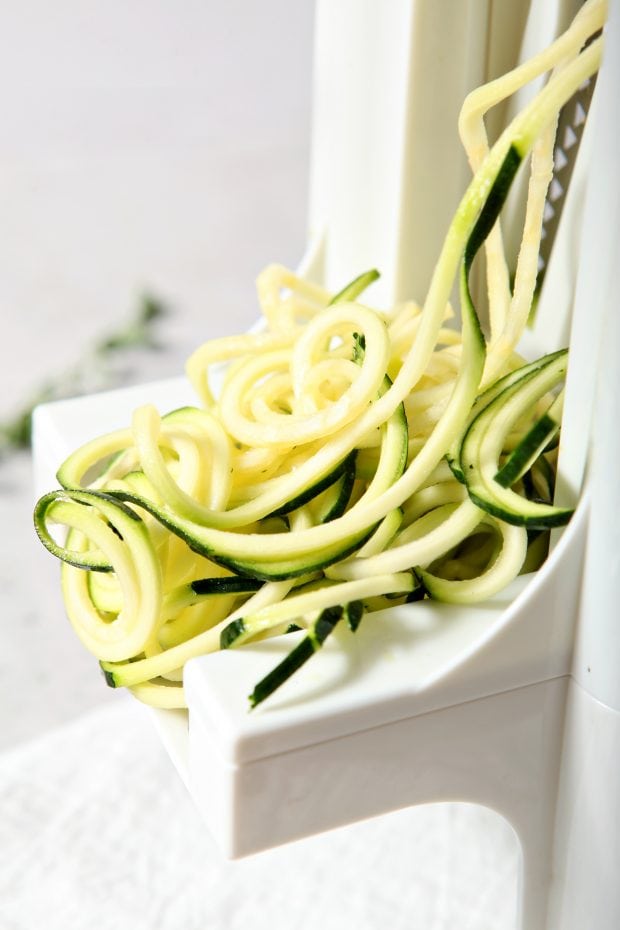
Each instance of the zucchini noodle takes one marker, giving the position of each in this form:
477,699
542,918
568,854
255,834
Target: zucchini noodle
341,458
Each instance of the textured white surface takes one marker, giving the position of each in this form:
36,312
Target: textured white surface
97,831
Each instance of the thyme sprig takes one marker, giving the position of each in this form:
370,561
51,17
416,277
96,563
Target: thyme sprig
95,371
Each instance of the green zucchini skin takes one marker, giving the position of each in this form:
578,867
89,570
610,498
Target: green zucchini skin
108,677
44,509
297,657
453,455
322,627
541,478
493,204
472,330
354,612
231,633
286,569
495,420
355,287
344,492
304,497
230,585
535,441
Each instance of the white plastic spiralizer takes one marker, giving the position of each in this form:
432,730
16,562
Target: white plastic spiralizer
514,704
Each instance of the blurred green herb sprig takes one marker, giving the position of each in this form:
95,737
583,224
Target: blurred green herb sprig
95,371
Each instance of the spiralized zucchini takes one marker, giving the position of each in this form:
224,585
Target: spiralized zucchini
342,458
